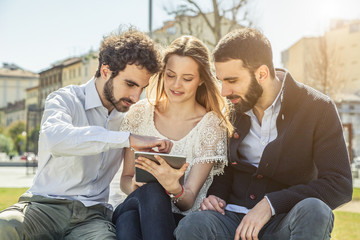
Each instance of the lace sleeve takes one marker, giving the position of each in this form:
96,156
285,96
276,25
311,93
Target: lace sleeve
211,144
134,117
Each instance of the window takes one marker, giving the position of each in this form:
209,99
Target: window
355,27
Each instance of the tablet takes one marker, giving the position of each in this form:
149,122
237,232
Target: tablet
175,161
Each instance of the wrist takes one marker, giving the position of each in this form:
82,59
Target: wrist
175,190
175,197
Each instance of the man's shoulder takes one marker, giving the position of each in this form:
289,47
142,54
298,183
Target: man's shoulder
69,92
305,94
68,95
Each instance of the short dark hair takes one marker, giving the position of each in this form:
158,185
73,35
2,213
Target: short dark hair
129,47
247,44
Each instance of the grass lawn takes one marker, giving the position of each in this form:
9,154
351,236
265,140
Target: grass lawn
356,194
346,225
9,196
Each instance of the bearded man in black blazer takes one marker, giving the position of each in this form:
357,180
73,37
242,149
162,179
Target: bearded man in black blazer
288,163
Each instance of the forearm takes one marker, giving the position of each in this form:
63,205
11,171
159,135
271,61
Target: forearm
126,184
187,200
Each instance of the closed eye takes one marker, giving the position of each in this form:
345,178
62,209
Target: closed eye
131,83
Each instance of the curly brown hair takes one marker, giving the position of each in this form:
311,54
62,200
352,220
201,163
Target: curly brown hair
128,47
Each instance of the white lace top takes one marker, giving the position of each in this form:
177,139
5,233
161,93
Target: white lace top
206,142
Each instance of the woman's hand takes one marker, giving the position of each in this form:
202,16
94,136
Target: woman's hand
135,185
167,176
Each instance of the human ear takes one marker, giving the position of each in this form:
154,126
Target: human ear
262,73
105,71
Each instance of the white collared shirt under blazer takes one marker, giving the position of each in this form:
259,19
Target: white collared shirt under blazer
80,146
206,142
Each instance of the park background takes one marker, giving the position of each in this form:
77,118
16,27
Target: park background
45,45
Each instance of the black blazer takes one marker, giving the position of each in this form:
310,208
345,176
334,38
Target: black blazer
307,159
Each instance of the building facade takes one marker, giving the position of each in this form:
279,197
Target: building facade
348,106
79,70
333,59
50,80
13,82
71,71
15,112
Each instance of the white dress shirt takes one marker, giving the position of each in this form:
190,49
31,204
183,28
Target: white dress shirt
80,146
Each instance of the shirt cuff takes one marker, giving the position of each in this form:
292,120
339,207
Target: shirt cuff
272,208
118,139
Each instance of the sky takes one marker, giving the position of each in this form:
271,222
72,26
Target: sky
34,34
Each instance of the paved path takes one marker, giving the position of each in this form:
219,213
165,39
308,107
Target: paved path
16,177
353,206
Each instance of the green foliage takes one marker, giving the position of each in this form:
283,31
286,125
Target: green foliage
6,144
2,130
33,139
15,132
15,129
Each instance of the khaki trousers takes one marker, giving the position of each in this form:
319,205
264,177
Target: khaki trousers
37,217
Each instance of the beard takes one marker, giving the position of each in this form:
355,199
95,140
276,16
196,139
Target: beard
252,95
109,95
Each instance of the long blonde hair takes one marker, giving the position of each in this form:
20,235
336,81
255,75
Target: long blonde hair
208,93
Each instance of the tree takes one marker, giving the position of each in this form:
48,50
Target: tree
220,21
33,140
15,129
6,144
16,132
324,70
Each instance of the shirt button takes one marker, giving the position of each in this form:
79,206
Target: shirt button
252,196
236,135
259,176
263,143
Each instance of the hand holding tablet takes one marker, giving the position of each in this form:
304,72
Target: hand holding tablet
174,161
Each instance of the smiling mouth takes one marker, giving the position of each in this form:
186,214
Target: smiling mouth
176,92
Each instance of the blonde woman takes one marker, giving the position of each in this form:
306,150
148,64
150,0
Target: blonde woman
187,109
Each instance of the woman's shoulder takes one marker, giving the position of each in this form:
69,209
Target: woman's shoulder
211,118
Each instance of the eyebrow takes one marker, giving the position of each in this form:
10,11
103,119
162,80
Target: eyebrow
229,78
190,74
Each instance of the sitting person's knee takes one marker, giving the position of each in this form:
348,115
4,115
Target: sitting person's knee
314,209
315,205
191,225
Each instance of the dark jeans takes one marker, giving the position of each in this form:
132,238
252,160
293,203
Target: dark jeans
309,219
145,214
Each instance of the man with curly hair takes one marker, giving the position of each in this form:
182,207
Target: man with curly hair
80,147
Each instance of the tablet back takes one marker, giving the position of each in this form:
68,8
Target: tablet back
175,161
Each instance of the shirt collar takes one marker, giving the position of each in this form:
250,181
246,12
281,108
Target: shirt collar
92,98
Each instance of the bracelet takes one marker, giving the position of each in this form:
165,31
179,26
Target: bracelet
175,198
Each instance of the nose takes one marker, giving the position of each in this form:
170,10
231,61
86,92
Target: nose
177,82
135,96
225,90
